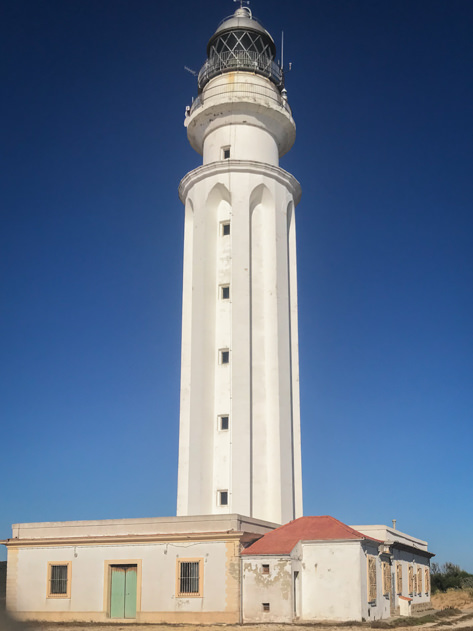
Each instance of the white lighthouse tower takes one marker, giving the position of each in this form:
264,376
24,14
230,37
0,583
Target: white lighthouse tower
239,446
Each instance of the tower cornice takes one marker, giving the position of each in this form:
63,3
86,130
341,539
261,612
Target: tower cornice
239,166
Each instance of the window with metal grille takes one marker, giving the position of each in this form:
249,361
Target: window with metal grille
58,580
371,579
189,578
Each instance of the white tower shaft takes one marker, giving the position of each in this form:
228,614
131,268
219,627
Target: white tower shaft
239,448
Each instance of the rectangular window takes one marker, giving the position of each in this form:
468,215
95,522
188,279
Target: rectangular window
266,606
223,423
225,292
222,498
410,577
224,356
189,577
371,579
399,577
386,579
265,568
59,580
225,153
419,580
225,228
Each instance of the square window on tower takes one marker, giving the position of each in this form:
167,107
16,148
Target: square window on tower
225,228
222,498
223,423
225,153
225,292
224,356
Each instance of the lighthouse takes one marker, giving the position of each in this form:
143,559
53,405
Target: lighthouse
239,439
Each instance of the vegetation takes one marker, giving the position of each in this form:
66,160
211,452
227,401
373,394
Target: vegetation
449,576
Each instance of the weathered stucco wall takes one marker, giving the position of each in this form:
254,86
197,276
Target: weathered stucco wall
157,600
267,581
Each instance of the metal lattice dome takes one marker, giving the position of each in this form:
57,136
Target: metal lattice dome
241,43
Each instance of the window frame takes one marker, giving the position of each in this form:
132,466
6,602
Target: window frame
265,569
399,578
219,422
410,580
386,578
224,225
427,580
219,497
200,593
372,574
225,150
419,581
223,290
222,353
66,564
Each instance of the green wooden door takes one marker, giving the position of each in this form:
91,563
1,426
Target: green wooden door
130,592
123,591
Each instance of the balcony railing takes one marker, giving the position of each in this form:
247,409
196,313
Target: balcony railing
240,60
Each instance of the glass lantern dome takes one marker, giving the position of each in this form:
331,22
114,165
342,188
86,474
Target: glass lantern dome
241,43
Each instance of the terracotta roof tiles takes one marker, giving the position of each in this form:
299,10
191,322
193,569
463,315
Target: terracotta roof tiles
283,539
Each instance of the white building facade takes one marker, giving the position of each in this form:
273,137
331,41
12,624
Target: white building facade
157,570
240,448
317,568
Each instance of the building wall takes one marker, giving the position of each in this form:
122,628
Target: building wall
421,595
273,588
386,533
380,607
157,599
331,581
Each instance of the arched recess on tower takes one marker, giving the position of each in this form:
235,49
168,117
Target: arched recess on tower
265,384
218,208
218,194
294,360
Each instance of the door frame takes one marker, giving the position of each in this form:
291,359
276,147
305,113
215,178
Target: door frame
108,585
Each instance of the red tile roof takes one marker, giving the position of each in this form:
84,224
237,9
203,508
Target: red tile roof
283,539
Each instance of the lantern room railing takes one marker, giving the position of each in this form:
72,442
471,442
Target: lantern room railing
241,60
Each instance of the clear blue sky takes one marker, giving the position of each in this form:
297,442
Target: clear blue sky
93,148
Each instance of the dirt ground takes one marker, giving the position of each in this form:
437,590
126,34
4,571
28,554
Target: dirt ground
461,620
458,598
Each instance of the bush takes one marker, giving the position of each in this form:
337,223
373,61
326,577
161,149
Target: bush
449,576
